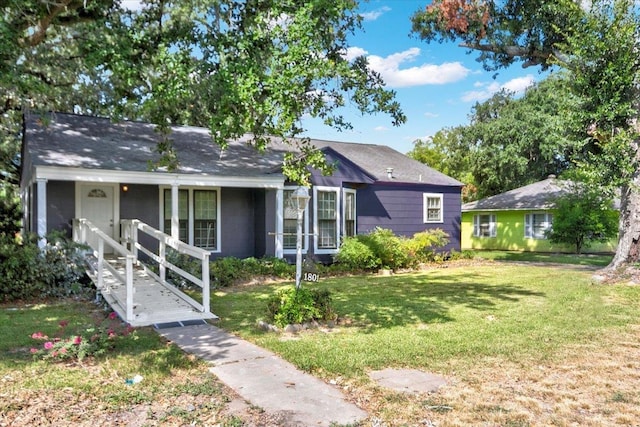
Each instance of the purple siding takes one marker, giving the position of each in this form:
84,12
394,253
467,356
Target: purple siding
142,202
400,207
61,205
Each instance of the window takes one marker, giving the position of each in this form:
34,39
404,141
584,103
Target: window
290,219
536,225
484,225
349,212
326,204
432,207
198,212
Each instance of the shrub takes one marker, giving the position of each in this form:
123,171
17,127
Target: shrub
354,254
90,341
229,270
27,272
422,246
297,306
387,247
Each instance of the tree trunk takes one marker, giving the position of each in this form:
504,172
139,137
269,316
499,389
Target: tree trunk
628,250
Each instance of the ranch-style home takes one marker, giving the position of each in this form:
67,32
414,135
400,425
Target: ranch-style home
231,202
517,220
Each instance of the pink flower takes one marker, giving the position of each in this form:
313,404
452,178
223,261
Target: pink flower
63,350
48,345
77,340
34,350
63,323
38,336
113,315
112,334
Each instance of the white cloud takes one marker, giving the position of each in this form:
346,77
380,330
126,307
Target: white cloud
517,86
354,52
132,4
380,128
375,14
425,74
431,115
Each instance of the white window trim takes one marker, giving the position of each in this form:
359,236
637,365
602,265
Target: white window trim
346,191
305,226
528,226
190,208
493,226
316,229
425,198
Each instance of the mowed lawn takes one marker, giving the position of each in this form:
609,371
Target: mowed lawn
519,344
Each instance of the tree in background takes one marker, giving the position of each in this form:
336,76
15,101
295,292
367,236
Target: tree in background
448,152
598,42
584,215
510,141
233,66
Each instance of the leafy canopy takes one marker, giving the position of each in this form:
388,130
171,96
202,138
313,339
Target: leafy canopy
234,66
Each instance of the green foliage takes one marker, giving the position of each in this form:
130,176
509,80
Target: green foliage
229,270
236,67
387,247
26,272
355,254
91,341
383,249
583,216
422,246
296,306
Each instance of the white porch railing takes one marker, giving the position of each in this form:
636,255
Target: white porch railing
82,230
130,229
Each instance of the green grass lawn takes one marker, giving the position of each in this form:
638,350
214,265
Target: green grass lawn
444,319
595,260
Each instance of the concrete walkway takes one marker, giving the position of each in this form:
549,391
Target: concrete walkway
264,379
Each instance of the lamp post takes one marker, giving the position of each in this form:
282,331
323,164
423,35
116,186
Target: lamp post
299,200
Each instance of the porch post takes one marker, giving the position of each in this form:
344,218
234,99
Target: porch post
279,249
42,211
175,218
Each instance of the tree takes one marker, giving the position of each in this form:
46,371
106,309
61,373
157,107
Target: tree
448,152
234,66
598,43
584,215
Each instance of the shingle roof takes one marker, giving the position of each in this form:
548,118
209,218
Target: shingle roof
70,140
97,143
376,159
539,195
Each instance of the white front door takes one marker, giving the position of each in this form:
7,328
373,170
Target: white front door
97,204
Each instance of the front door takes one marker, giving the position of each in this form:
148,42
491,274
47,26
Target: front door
97,204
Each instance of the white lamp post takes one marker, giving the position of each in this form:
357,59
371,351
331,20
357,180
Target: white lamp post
299,200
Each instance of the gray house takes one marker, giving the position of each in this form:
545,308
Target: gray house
231,202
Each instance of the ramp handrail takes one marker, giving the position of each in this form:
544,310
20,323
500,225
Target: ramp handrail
82,229
130,238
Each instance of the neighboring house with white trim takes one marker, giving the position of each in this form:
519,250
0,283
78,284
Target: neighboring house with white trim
232,202
517,220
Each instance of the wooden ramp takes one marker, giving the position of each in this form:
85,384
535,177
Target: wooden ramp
155,304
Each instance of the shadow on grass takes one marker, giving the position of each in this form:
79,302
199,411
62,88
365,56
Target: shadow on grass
404,300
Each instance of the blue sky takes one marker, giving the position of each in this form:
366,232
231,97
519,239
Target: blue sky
436,84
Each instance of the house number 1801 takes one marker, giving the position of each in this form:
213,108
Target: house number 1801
311,277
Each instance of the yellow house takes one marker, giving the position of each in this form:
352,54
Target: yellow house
517,220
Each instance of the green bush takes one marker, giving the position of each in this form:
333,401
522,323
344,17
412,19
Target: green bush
27,272
387,247
422,247
229,270
354,254
297,306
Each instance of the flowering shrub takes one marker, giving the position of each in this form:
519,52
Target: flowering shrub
89,342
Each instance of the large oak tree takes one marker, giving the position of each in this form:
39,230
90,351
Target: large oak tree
598,42
234,66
